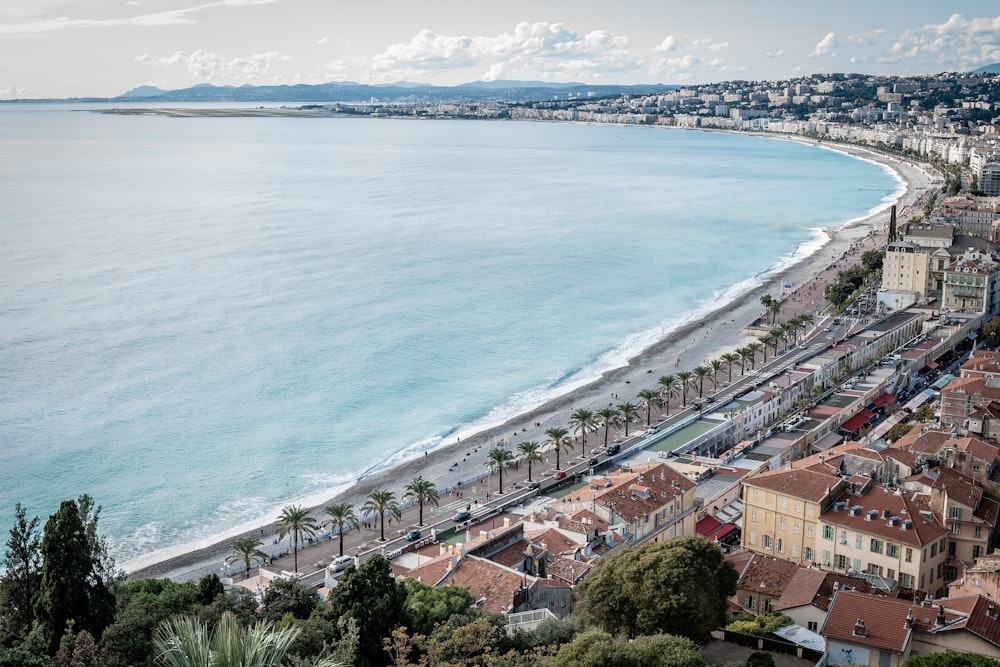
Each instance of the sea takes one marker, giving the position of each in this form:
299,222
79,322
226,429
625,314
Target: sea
203,320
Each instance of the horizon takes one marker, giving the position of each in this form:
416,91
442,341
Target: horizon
48,52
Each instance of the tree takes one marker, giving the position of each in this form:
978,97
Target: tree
951,659
665,651
760,659
245,549
768,340
531,452
423,491
497,459
558,439
288,596
678,587
684,380
379,502
700,373
716,366
582,420
669,386
991,331
609,418
427,606
342,517
767,301
69,590
375,599
296,522
898,431
19,585
753,348
628,411
184,642
649,399
729,358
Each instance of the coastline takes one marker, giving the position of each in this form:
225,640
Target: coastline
706,338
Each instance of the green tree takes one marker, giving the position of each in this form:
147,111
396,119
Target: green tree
678,587
558,440
426,606
729,359
531,452
245,550
69,589
767,301
380,502
595,648
22,565
898,431
951,659
497,459
665,651
684,381
700,373
609,418
716,366
288,596
760,659
423,491
649,399
753,348
627,411
296,522
581,421
991,331
342,517
669,386
375,599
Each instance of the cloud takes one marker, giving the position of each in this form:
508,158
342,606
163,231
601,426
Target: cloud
857,59
959,43
775,54
208,65
825,46
719,46
669,43
866,38
14,93
322,40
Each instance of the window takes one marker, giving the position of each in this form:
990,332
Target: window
813,626
796,527
753,494
826,557
765,541
827,532
979,531
795,550
956,529
753,537
876,546
843,537
891,573
892,550
954,512
798,506
934,550
810,510
857,541
809,530
751,603
905,580
842,562
784,502
977,551
781,522
779,544
753,514
807,554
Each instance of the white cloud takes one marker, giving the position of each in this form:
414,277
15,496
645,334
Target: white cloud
13,93
669,43
959,43
208,65
866,38
719,46
775,54
322,40
825,46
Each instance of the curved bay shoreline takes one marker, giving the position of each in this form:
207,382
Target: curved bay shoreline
689,345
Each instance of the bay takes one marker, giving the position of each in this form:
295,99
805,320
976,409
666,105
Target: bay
203,320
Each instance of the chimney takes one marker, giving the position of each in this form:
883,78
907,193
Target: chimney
859,629
941,620
506,522
909,620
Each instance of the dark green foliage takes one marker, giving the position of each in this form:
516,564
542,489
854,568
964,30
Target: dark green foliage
426,606
209,587
71,589
239,602
951,659
592,649
80,651
760,626
375,600
288,596
991,330
23,656
142,606
599,649
678,587
22,579
551,632
760,659
467,639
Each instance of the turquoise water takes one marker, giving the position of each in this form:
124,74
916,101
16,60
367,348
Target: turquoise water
205,319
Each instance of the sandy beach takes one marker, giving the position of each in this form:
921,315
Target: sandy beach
719,332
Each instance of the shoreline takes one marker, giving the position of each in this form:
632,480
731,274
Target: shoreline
714,333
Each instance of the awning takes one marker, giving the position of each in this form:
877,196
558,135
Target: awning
920,399
855,423
707,525
933,365
884,399
724,529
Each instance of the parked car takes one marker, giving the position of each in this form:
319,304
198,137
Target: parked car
340,563
592,461
560,474
710,399
613,449
413,535
534,485
459,517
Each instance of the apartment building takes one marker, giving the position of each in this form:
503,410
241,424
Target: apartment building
972,284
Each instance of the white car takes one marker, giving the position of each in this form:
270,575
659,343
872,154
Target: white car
340,563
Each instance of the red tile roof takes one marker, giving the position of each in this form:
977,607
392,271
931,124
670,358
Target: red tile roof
882,621
767,575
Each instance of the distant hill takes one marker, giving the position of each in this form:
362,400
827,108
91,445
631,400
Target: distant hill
348,91
988,69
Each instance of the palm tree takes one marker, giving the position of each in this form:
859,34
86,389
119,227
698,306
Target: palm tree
379,502
753,348
650,398
767,301
668,389
791,331
730,358
609,418
498,459
684,380
716,366
183,641
628,411
766,340
342,516
296,522
582,420
423,491
775,309
530,449
245,549
745,354
558,438
700,373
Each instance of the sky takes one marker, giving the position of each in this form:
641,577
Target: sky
103,48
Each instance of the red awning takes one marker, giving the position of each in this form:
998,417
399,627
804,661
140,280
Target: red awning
884,399
721,532
706,526
932,365
857,421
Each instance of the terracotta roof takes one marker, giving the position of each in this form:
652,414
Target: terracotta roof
976,448
988,510
981,617
891,511
740,560
881,621
802,589
767,574
569,570
927,442
644,490
804,484
487,581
